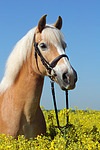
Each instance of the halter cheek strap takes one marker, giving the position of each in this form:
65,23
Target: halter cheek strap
43,60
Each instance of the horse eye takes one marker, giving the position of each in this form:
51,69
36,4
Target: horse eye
43,46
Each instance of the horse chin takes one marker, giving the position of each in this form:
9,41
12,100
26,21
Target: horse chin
67,88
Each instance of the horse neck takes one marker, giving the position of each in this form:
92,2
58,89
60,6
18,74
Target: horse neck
28,86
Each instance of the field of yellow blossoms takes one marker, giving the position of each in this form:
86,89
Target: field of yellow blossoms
83,133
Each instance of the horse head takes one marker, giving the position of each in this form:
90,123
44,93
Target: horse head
50,56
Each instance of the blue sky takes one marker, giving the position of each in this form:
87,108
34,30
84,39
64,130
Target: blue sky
81,27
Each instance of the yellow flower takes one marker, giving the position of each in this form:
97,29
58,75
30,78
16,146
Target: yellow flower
82,133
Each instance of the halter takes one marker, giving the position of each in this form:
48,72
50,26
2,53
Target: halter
49,67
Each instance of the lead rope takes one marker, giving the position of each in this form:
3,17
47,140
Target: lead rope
67,107
54,100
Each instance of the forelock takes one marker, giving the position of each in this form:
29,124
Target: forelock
52,35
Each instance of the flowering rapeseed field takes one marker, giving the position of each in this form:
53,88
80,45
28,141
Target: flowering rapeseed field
83,133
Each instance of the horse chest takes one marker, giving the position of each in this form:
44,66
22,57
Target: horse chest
30,109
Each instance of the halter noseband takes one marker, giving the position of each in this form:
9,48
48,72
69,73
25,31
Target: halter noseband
48,66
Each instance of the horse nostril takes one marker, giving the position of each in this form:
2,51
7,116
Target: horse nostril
75,79
65,77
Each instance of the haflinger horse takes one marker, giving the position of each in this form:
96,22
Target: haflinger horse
40,53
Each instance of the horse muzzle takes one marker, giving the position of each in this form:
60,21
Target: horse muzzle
66,80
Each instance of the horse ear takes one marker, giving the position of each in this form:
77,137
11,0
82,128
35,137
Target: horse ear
42,23
58,23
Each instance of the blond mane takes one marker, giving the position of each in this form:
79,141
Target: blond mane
22,51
